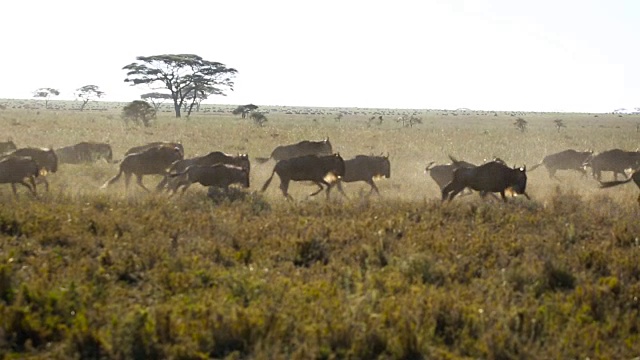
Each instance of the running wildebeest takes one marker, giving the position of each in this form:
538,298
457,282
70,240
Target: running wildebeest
211,158
365,168
487,178
153,161
141,148
443,174
635,177
19,170
615,160
84,152
565,160
7,147
305,147
308,168
46,159
218,175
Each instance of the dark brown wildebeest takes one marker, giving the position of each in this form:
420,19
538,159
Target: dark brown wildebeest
365,168
7,147
305,147
46,159
19,170
635,177
85,152
318,169
141,148
487,178
212,158
218,175
565,160
615,160
153,161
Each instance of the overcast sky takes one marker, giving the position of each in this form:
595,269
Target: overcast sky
544,55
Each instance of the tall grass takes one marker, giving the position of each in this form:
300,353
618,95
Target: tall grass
88,273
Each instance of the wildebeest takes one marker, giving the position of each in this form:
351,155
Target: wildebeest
7,147
153,161
46,159
84,152
307,168
615,160
635,177
212,158
443,174
365,168
305,147
218,175
487,178
565,160
19,170
141,148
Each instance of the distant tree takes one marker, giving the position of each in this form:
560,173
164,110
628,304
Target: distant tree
244,110
559,124
155,98
521,124
181,74
88,93
258,118
339,117
139,112
46,93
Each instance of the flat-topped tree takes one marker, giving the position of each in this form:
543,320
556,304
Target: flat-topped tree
46,93
182,75
88,93
156,98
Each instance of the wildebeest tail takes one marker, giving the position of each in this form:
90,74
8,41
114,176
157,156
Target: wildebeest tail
262,160
112,180
268,182
608,184
535,166
426,169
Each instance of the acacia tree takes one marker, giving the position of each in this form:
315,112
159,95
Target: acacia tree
559,124
244,110
46,93
521,124
155,98
181,74
196,94
88,93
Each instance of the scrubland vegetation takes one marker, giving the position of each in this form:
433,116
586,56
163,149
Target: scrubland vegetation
89,273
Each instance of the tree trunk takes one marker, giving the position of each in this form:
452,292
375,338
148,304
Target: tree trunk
176,106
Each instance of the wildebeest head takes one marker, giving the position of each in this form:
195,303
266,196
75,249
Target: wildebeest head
519,181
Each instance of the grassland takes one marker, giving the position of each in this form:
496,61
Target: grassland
88,273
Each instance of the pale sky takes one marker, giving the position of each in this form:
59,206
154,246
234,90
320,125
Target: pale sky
544,55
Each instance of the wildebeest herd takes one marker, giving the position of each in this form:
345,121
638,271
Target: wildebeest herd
309,161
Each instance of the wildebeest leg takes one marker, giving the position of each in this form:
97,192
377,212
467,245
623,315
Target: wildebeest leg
373,187
552,173
339,185
284,186
319,190
127,180
161,185
139,182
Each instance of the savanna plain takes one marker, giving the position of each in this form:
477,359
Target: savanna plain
91,273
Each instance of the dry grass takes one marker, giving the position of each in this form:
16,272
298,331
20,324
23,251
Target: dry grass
88,273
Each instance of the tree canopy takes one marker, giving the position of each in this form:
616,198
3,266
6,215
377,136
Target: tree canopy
156,98
46,93
186,76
